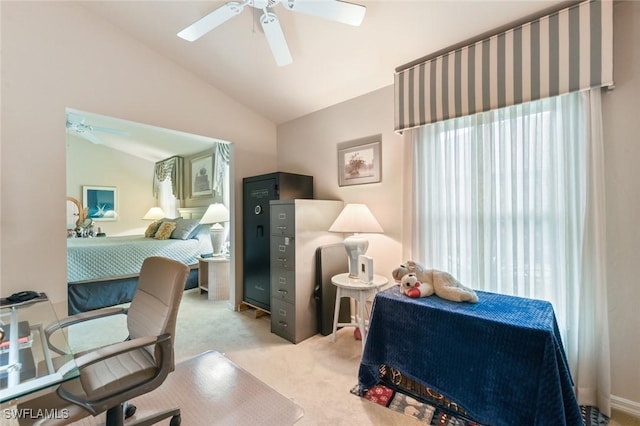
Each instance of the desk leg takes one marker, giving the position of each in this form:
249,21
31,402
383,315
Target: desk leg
14,350
336,312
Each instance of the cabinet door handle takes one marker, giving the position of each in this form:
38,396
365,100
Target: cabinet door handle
283,324
282,227
283,292
282,259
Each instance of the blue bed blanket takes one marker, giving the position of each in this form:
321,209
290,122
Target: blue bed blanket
501,359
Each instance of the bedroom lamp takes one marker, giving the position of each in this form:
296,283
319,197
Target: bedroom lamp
154,213
215,214
356,219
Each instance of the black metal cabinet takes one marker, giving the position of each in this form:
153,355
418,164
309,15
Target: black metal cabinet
257,191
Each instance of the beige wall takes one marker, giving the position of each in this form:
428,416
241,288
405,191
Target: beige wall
621,109
308,145
57,55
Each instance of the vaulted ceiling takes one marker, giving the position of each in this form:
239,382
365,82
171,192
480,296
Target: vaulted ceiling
332,62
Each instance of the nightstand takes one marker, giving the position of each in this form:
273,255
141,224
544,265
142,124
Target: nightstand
360,291
213,276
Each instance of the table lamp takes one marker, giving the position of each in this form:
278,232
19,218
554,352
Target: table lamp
154,213
355,218
215,214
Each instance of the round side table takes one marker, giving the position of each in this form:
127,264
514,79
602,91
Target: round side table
360,291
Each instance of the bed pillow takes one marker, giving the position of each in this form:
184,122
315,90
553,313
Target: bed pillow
198,230
184,228
151,229
164,230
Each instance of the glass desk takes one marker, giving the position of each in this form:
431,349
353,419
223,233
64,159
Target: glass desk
27,363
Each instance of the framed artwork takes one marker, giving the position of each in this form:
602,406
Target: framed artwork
202,176
359,162
100,202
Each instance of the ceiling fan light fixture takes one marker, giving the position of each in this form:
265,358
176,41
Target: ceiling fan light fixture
333,10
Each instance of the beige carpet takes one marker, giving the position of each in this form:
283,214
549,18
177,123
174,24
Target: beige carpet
317,374
209,386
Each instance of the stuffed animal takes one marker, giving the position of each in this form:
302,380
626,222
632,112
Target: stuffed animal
443,283
410,286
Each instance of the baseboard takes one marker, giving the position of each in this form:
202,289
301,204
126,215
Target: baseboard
625,405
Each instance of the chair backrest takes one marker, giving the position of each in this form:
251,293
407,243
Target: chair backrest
155,304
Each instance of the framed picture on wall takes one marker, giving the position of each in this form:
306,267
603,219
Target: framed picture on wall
359,162
202,176
101,202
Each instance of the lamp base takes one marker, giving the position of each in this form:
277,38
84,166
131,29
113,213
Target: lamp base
218,237
355,245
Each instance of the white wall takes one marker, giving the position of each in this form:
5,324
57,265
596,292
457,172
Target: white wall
57,55
308,145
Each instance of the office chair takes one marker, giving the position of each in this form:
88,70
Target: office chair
112,375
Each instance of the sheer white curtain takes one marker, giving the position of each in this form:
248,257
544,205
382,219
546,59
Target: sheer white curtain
511,201
166,200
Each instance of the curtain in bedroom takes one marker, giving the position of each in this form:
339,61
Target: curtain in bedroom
512,201
167,184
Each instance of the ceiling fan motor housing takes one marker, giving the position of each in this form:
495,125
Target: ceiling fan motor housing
335,10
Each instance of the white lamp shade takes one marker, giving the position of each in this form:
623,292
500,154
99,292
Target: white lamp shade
216,213
154,213
356,218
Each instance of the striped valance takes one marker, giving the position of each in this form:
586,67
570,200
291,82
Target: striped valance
562,52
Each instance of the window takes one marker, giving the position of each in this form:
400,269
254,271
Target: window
500,200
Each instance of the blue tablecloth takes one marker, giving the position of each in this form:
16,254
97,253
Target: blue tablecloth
501,359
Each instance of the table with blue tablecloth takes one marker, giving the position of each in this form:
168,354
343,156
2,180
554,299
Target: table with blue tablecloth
502,359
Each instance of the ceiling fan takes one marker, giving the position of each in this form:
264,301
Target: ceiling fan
334,10
77,124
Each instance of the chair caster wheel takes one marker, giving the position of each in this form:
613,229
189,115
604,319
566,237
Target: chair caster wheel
175,420
129,411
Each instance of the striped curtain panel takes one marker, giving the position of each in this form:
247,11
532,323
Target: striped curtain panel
566,51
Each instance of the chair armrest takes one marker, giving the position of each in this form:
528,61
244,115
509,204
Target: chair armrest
105,352
76,319
97,406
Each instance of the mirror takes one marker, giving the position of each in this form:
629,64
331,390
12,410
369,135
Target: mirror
75,214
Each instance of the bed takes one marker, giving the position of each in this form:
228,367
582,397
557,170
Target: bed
104,271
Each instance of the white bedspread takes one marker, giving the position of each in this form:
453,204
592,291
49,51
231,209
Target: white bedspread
91,259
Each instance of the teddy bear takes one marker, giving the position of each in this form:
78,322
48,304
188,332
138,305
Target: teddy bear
410,286
443,283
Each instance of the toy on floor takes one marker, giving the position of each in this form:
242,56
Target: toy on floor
444,284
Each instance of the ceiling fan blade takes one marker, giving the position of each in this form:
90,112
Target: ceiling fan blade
110,130
275,38
334,10
91,138
85,134
74,119
211,21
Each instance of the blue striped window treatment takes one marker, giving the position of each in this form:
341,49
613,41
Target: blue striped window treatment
562,52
